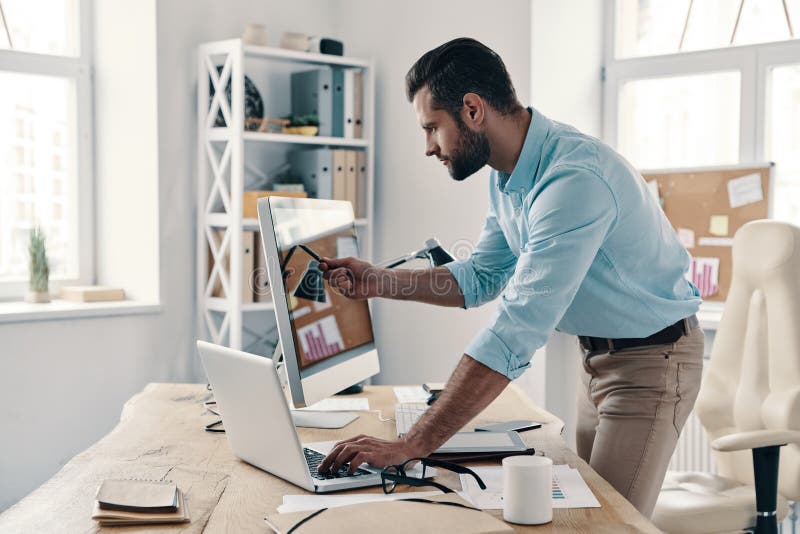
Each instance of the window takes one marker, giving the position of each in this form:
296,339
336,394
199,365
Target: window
706,82
782,138
45,139
653,27
692,119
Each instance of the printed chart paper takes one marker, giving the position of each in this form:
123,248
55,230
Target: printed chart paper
704,274
569,488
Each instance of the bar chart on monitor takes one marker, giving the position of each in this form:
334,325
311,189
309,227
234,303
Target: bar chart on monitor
321,338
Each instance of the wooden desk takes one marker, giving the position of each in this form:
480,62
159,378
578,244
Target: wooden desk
160,435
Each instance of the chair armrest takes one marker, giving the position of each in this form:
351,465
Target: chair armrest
754,439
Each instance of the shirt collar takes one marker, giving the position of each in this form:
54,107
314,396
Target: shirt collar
523,176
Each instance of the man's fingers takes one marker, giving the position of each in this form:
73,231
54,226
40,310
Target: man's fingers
343,451
328,264
326,463
357,460
344,456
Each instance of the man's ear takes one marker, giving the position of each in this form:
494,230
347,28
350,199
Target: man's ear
474,111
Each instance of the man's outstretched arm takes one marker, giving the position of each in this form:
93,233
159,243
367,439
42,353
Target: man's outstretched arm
470,389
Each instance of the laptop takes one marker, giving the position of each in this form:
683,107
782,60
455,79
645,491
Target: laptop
259,426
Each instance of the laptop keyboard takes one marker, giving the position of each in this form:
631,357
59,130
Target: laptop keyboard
314,458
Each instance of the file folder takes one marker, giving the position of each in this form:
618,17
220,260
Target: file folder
312,93
314,167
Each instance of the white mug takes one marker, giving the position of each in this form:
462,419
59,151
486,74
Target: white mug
255,34
528,490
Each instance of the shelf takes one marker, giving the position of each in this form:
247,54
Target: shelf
231,177
282,54
225,134
292,139
221,304
220,220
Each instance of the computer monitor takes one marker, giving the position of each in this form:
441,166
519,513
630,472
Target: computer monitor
326,338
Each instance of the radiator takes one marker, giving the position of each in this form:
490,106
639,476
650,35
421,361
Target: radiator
693,452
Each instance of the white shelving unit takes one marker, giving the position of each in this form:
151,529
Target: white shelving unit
222,156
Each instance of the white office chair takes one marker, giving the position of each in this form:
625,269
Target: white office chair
750,396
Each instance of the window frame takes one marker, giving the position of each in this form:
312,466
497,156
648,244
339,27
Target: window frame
752,61
80,70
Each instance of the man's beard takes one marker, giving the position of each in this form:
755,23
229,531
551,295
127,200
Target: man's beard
471,155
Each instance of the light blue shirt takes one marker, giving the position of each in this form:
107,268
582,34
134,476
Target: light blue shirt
573,242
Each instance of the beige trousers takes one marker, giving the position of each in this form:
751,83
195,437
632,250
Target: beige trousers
632,405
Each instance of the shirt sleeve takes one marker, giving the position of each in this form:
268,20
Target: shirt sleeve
568,219
483,275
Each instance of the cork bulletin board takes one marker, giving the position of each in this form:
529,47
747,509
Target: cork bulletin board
706,206
337,325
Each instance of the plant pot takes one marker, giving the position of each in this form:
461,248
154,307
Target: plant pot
37,296
301,130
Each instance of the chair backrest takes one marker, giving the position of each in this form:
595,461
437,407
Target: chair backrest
753,378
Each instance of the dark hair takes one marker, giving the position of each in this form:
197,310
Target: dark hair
459,67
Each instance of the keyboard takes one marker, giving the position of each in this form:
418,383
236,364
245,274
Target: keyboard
406,414
314,458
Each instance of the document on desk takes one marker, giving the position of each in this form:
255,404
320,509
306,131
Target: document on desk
339,404
569,489
406,394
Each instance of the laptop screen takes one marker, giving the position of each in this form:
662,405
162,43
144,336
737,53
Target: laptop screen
326,326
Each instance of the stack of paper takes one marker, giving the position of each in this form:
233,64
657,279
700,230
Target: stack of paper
302,503
569,489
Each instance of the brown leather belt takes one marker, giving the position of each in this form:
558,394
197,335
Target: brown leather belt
670,334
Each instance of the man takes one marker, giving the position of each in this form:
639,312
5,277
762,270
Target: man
573,242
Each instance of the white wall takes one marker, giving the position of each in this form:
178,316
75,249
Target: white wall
415,197
566,63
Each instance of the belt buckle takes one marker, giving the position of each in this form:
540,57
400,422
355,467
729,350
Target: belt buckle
610,344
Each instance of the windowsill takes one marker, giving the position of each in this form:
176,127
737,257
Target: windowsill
13,312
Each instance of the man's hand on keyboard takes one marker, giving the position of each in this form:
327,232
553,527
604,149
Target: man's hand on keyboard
376,452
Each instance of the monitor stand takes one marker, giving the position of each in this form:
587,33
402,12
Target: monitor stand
308,419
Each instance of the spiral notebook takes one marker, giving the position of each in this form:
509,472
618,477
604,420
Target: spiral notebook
131,501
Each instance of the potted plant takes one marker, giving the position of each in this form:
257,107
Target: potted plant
302,124
38,269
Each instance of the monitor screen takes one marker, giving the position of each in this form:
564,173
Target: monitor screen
326,327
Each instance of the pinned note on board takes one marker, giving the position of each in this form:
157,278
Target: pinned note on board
652,186
715,241
686,237
745,190
718,225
